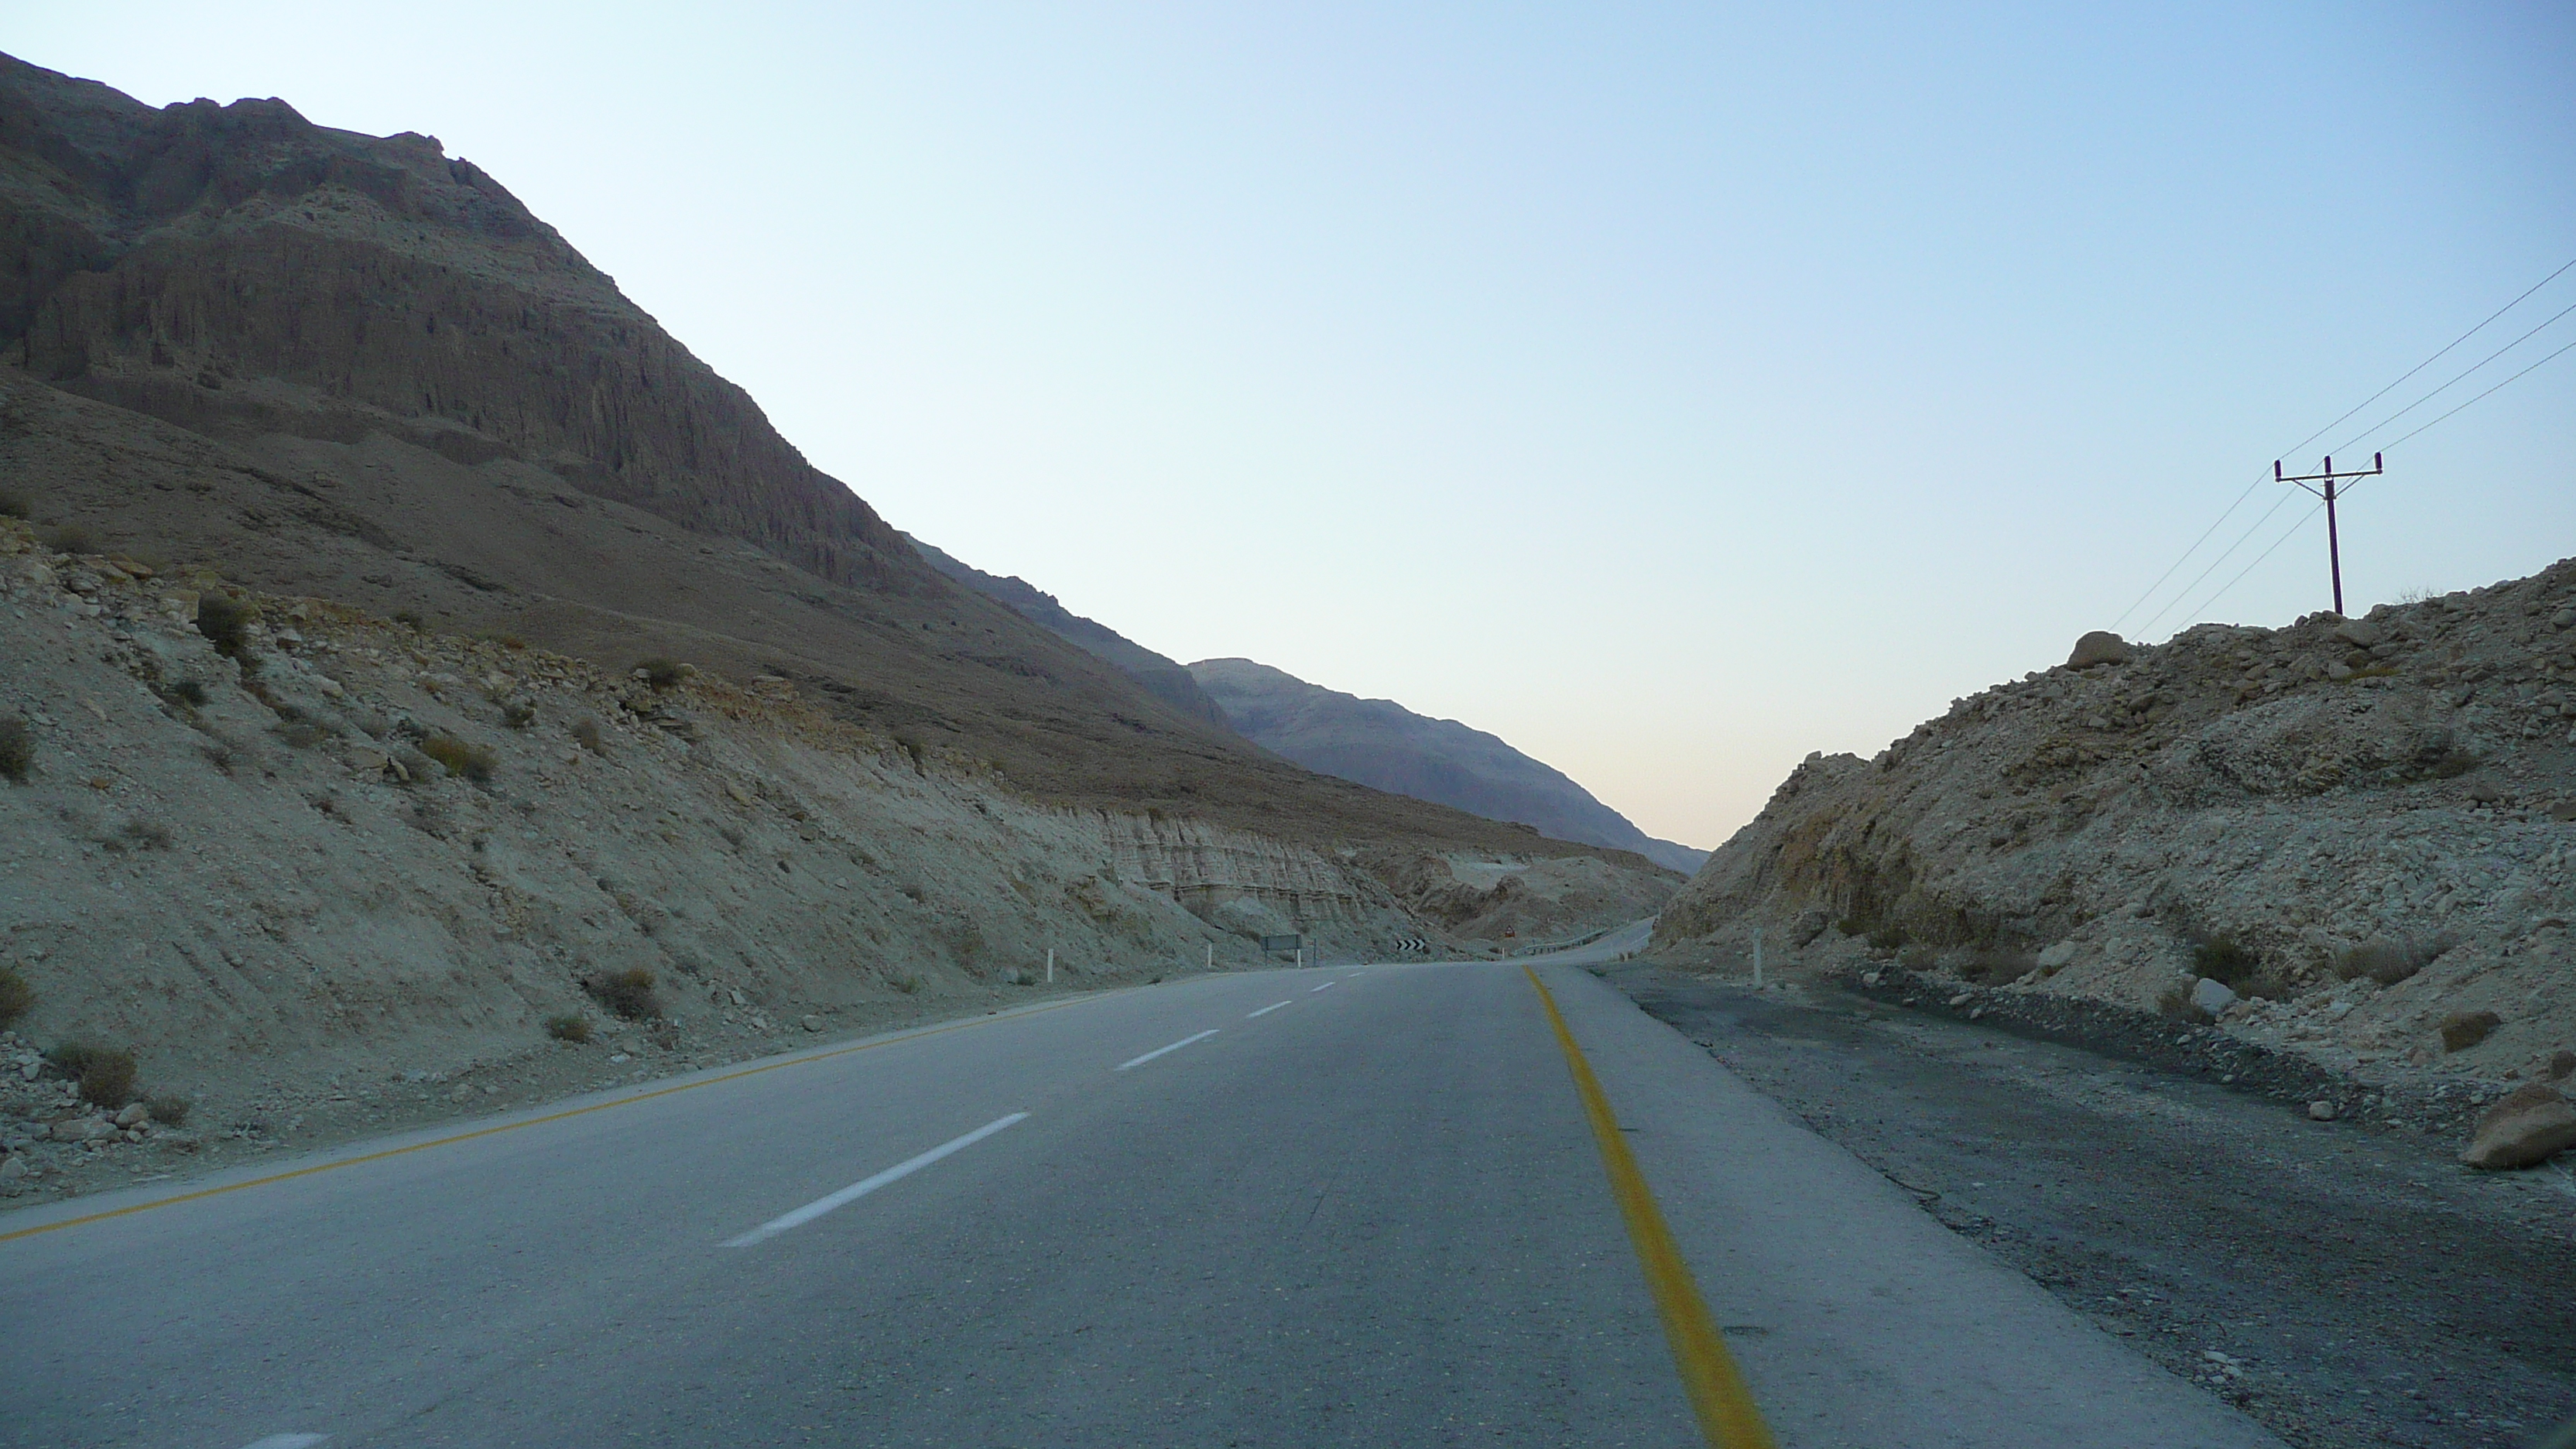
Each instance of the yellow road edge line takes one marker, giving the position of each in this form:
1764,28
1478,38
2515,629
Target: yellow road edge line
1727,1416
454,1138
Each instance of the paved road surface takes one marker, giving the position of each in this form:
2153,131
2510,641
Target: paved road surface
1358,1206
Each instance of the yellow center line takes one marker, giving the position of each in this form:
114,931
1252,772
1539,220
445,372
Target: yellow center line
454,1138
1727,1416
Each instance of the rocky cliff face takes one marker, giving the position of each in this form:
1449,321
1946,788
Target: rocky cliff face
1382,744
2353,837
159,258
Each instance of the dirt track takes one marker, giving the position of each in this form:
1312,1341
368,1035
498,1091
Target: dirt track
2346,1286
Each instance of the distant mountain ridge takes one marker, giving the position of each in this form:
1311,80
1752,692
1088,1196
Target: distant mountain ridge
1381,744
1163,677
1372,742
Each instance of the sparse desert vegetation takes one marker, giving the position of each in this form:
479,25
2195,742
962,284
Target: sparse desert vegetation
105,1074
461,757
629,992
17,748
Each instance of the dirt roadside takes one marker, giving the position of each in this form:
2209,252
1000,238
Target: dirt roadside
2344,1285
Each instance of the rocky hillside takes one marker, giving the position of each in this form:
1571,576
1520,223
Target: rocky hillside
1380,743
1163,677
2349,839
280,849
355,368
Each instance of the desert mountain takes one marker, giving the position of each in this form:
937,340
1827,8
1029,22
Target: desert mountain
353,368
1380,743
2352,839
1163,677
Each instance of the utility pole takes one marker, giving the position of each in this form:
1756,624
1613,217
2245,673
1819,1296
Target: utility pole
2334,546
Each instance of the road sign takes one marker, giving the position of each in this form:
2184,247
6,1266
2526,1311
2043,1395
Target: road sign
1282,943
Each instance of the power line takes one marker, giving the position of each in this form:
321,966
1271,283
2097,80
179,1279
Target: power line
2230,511
2242,539
2301,522
2507,382
2428,362
2187,553
2437,392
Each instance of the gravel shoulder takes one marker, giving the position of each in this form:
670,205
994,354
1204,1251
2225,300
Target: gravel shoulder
2344,1284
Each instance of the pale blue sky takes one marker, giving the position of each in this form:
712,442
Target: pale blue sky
1671,390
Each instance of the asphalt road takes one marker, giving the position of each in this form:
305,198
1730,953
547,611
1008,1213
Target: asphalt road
1345,1206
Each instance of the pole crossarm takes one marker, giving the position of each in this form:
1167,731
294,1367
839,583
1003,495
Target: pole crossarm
2334,541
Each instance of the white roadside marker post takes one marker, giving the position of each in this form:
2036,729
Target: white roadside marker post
1050,965
1211,962
1757,958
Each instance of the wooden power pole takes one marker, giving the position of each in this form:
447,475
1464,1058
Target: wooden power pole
2334,545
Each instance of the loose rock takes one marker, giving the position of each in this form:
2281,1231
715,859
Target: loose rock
2531,1125
2099,647
2462,1030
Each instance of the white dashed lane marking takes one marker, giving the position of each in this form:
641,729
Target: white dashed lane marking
1158,1051
821,1205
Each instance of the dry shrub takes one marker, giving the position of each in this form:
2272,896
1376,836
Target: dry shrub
2225,962
662,672
572,1026
2176,1005
2384,961
167,1108
518,714
71,538
105,1074
225,621
475,762
17,998
1996,968
17,749
586,734
186,691
906,984
629,993
12,505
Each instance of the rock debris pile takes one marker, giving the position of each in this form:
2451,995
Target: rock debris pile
2349,839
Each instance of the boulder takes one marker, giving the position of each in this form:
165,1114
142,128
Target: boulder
81,1129
2099,647
2057,958
2528,1126
2462,1030
2321,1111
134,1115
2359,633
2212,995
1809,925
